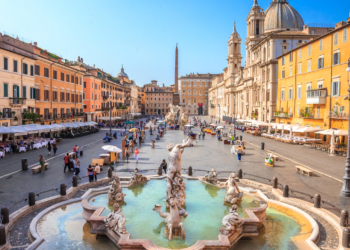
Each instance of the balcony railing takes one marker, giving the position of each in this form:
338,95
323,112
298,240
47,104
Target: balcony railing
105,97
15,102
282,114
338,115
48,117
311,115
316,96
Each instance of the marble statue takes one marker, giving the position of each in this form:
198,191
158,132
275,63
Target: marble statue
115,193
115,221
175,184
233,195
174,225
137,178
212,177
231,222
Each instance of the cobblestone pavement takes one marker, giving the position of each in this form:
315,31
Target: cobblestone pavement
205,155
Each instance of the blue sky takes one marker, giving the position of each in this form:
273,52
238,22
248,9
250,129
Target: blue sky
142,34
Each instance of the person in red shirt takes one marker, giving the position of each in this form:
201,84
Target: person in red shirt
66,162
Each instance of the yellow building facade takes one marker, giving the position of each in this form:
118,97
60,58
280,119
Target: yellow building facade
313,82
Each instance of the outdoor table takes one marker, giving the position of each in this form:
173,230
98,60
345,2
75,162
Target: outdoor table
2,154
37,145
44,143
22,149
7,149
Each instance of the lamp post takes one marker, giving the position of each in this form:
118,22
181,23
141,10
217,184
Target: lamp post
234,115
110,115
345,191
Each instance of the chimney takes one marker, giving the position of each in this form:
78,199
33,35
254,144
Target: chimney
35,44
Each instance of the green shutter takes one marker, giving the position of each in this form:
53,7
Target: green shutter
24,92
6,90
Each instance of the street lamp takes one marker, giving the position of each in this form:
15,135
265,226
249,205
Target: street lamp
345,191
110,116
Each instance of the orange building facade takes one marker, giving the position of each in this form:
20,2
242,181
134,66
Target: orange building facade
58,89
92,97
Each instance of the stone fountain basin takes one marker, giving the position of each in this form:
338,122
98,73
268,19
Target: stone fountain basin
253,218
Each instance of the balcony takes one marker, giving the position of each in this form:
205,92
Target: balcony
316,96
105,97
338,115
48,117
17,102
282,114
311,115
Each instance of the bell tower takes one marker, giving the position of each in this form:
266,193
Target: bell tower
234,52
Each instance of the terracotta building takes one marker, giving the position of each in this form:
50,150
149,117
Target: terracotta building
157,99
59,89
17,91
313,81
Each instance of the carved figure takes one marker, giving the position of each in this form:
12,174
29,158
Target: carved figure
231,222
233,195
174,225
212,177
116,220
137,178
115,193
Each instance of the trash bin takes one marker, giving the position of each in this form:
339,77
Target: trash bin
262,145
24,165
81,152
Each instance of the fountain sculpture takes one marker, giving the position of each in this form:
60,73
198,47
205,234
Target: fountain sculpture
137,178
176,116
115,221
233,194
232,223
212,178
115,193
175,192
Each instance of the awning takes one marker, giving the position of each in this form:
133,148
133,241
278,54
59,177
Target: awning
336,132
6,130
306,129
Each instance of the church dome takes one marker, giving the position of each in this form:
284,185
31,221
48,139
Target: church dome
281,16
122,73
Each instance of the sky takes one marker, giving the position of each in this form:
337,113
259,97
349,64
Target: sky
142,35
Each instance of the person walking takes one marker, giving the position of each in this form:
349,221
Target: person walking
75,149
127,155
164,166
239,153
90,173
97,170
77,165
49,147
54,148
66,162
136,155
42,163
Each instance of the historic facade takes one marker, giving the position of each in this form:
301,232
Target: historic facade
313,82
251,92
193,90
157,99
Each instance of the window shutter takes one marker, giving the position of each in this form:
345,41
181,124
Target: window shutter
6,90
24,92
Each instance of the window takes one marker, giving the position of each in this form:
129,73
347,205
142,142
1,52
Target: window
290,94
62,97
290,71
67,78
6,90
72,79
31,70
320,85
336,39
320,63
76,80
55,74
283,74
282,94
84,84
62,76
6,63
309,66
37,70
32,93
299,92
24,91
283,60
336,58
291,57
335,88
15,68
345,35
46,72
298,110
37,94
206,84
67,98
309,50
46,95
299,53
189,84
321,45
299,68
25,69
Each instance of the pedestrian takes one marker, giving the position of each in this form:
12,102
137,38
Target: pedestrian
97,170
239,153
90,173
75,149
42,163
66,162
203,135
137,155
54,149
49,147
164,165
77,165
127,155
